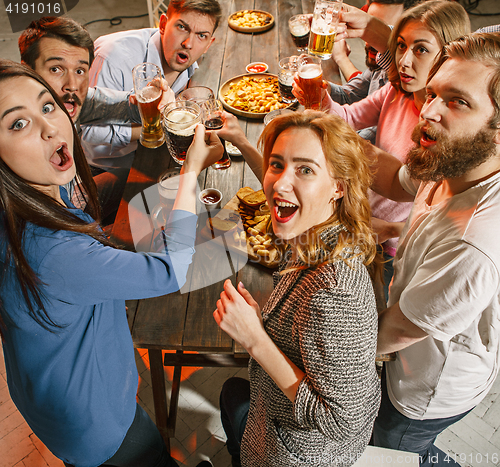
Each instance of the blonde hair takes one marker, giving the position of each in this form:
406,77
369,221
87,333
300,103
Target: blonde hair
347,162
446,20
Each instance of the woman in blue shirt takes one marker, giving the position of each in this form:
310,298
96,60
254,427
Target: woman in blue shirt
68,351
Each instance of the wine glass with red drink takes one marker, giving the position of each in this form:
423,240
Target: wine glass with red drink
212,110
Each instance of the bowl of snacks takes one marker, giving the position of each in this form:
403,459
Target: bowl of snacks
251,21
257,67
252,95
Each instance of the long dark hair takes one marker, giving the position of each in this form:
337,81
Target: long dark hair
21,203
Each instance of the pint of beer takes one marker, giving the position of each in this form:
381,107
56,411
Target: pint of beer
299,29
147,86
179,122
324,28
287,71
310,79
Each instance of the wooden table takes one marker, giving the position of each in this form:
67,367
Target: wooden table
183,321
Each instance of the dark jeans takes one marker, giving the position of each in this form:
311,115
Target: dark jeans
143,446
234,406
395,431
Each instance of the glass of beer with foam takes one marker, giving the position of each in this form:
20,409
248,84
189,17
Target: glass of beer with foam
147,87
324,28
287,70
299,29
310,79
179,121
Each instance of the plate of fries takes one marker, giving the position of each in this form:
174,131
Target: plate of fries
250,21
252,95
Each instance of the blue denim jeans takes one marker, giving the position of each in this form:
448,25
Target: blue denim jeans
142,446
234,406
395,431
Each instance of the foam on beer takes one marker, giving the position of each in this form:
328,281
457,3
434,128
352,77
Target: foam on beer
310,71
180,122
148,94
299,29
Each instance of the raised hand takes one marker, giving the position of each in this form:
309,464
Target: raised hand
205,150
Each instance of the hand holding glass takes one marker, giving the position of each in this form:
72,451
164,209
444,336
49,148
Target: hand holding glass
324,27
212,119
310,81
148,92
179,121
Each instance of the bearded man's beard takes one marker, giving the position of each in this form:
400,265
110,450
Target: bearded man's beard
448,158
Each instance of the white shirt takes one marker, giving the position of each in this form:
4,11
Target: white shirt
447,282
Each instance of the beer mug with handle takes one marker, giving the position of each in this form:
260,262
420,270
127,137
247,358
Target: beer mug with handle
179,122
324,28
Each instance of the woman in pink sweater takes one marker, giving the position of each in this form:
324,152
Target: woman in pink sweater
394,109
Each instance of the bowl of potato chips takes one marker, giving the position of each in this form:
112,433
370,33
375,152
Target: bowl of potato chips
252,95
251,21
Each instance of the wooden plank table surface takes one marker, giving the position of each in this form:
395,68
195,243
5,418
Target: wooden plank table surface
183,321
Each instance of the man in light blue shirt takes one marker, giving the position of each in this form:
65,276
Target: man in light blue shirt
185,33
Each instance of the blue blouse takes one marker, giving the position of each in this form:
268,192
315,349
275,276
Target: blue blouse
76,384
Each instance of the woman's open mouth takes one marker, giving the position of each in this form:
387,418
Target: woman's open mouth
62,159
405,78
284,211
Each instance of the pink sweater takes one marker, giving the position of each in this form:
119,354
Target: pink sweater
395,116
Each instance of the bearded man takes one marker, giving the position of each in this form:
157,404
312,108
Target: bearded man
444,302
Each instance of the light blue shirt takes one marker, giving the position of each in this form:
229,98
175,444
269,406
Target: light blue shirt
109,146
76,385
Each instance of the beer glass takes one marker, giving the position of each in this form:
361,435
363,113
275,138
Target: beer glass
212,119
310,80
324,27
147,87
299,27
196,94
168,186
276,113
179,122
287,70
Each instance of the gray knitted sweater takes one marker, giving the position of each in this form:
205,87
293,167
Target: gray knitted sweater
325,321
